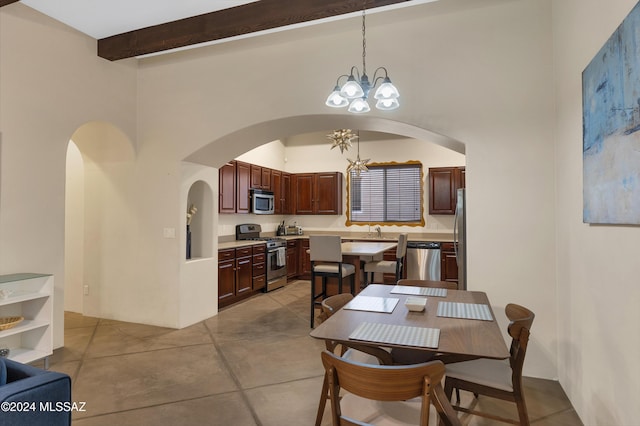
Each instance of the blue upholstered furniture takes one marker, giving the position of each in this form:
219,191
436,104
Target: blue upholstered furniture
30,396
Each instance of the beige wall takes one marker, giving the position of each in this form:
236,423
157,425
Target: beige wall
598,270
51,82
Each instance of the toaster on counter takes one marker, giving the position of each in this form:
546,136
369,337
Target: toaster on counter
293,230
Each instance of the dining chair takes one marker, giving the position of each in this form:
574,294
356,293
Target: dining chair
352,351
388,266
326,261
387,383
500,379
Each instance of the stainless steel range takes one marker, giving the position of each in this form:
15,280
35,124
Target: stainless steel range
276,253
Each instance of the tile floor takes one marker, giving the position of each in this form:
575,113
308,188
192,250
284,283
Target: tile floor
252,364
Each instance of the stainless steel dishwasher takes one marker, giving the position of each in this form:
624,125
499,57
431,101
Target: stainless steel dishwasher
423,260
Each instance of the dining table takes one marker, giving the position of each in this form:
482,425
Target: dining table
468,337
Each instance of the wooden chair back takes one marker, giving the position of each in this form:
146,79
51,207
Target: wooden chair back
333,303
519,328
388,383
428,283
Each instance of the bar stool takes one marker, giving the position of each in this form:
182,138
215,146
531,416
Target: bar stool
388,266
326,261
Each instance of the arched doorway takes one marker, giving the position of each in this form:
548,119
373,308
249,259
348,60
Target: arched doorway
99,169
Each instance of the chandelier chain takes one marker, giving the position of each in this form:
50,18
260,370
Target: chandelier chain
364,41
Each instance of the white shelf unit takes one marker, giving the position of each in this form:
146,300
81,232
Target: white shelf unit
30,296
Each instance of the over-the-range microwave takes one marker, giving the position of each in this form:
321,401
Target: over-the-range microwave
262,201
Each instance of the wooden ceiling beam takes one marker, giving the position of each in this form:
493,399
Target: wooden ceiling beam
245,19
6,2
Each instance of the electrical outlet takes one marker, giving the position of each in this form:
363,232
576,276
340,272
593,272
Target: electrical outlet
169,232
86,289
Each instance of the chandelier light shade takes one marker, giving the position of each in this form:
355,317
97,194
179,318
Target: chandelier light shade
354,93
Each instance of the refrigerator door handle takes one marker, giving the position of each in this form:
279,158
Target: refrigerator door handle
455,235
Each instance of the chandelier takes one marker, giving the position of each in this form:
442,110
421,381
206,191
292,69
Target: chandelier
355,91
358,165
342,139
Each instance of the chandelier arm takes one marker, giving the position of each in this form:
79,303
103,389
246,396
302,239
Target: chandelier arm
377,77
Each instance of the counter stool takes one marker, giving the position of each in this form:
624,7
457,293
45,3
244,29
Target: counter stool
388,266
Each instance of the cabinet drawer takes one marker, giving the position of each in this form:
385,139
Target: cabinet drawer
292,244
446,247
261,248
259,282
258,269
257,258
226,254
243,251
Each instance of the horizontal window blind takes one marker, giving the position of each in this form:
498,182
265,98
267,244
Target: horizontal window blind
386,193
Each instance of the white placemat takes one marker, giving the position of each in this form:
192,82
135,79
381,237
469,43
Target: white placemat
464,310
397,334
419,291
372,304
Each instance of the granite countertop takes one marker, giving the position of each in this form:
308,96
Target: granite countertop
228,241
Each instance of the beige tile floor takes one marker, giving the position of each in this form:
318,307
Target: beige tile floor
252,364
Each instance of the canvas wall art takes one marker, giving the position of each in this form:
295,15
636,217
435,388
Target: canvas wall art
611,128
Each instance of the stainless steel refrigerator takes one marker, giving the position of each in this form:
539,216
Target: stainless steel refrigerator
460,238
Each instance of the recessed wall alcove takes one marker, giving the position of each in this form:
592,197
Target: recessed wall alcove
201,196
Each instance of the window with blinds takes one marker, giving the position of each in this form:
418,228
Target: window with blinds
387,193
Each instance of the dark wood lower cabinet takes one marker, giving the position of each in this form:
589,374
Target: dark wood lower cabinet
238,276
292,259
448,263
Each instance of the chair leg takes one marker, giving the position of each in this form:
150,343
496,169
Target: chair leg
313,297
323,400
340,283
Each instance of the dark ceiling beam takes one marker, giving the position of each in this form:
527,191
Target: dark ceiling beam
245,19
6,2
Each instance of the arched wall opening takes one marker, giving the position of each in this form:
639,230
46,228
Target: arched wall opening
99,199
230,146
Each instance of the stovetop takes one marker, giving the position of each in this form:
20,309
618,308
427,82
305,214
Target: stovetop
251,232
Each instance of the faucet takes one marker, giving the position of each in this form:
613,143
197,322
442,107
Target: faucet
379,231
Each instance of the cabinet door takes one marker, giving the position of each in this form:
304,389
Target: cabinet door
265,178
443,185
328,193
287,193
227,188
243,182
276,187
304,260
226,280
256,176
448,263
304,193
292,259
244,274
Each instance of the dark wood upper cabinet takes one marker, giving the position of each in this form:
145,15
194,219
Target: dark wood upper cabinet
243,182
227,188
288,195
294,193
318,193
443,185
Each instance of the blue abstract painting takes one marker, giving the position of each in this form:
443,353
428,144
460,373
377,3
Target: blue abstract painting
611,128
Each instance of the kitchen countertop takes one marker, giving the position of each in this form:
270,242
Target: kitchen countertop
229,241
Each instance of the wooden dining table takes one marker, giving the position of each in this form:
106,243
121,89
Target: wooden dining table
471,338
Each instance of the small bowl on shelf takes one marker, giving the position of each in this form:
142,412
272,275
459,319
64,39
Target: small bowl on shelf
4,352
415,304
